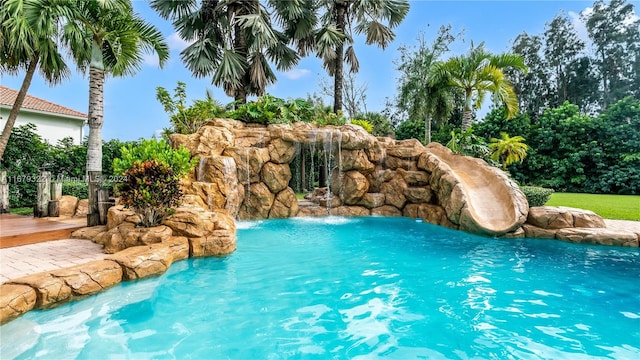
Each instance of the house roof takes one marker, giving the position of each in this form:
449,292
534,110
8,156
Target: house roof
8,97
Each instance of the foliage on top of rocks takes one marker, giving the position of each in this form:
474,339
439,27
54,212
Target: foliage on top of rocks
536,196
179,160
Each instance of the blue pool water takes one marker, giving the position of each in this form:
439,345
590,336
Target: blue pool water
338,288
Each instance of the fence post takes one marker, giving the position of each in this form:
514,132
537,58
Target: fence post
4,193
44,194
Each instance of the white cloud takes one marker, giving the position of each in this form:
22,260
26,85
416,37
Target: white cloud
296,74
579,25
176,43
150,59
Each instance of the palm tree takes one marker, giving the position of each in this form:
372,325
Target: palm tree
365,17
508,150
479,73
105,37
22,48
233,41
423,94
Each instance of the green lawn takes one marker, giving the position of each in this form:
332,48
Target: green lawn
21,211
621,207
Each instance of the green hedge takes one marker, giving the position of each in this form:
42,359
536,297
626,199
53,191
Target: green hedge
78,189
537,196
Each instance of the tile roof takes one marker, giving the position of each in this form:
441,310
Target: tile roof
8,97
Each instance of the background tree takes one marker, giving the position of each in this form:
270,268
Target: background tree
26,48
423,94
235,41
614,34
105,37
340,20
562,48
478,73
354,94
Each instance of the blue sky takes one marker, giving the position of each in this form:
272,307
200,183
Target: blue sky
132,111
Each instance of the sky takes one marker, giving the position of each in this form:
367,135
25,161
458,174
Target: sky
131,110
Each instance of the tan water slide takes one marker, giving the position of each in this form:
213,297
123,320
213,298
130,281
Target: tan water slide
478,197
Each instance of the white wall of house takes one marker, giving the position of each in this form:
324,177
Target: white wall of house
50,127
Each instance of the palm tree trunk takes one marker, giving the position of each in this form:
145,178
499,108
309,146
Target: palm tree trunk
13,115
427,130
467,116
94,146
338,76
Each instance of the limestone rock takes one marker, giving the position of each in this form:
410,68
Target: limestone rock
285,205
415,178
190,142
251,135
281,152
418,195
143,261
179,246
350,211
517,234
393,162
378,177
82,208
249,162
585,218
598,236
88,233
532,231
217,184
393,191
257,202
372,200
405,149
276,176
68,205
126,235
386,210
15,300
354,137
90,278
213,141
49,289
356,160
378,151
312,211
116,215
351,186
432,214
219,243
549,217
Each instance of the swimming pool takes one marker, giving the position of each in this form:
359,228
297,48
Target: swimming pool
335,287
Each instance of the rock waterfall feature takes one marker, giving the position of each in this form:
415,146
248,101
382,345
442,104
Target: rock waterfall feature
246,171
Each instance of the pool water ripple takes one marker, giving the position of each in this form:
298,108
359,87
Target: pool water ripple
357,288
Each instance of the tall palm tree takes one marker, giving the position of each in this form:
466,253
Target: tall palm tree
421,93
478,73
105,37
340,20
234,40
22,48
508,150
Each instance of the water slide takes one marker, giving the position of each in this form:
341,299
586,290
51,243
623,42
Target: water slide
478,197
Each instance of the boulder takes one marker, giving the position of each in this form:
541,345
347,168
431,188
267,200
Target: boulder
516,234
257,202
419,195
405,149
599,236
15,300
276,176
285,205
432,214
213,141
219,243
179,247
532,231
217,184
190,142
351,186
68,205
377,152
585,218
549,217
190,222
393,191
386,210
312,211
249,162
354,137
143,261
88,233
372,200
350,211
281,152
90,278
356,160
49,289
82,208
415,178
393,162
251,135
116,215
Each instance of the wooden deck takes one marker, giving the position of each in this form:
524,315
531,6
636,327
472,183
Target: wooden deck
16,230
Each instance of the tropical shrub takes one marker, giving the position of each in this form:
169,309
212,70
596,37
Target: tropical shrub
188,119
536,196
331,119
367,126
179,160
75,188
269,109
508,150
151,189
466,143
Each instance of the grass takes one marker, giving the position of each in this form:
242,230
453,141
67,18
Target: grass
21,211
619,207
